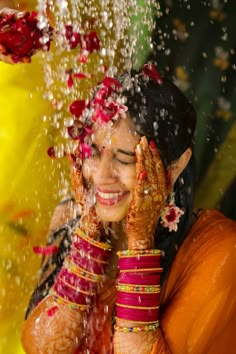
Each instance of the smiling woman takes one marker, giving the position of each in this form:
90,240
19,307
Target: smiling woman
111,171
137,269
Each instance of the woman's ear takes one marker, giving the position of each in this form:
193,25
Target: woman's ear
179,165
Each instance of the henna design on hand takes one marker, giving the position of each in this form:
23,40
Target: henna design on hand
149,197
89,221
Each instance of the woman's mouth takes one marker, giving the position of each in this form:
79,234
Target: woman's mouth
110,198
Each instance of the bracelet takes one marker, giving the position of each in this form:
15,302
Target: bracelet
141,270
81,272
77,289
130,288
148,252
58,299
89,239
82,254
147,328
138,307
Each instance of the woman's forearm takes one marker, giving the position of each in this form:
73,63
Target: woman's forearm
52,328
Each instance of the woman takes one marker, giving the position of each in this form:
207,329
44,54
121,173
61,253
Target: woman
133,269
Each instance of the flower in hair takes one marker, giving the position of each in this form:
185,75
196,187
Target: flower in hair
149,70
170,215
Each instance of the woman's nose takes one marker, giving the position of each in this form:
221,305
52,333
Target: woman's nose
104,172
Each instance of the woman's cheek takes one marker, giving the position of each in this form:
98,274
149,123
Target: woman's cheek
128,177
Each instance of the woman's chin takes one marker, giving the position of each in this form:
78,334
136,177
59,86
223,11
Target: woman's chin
111,214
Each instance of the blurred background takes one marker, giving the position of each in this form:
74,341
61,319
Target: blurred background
194,44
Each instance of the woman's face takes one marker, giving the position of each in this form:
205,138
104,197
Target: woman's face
111,172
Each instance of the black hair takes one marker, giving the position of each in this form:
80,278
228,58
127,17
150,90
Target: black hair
163,114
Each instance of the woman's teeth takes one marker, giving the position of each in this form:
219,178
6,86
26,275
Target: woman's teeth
109,195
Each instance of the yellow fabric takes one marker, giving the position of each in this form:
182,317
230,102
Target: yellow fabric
28,184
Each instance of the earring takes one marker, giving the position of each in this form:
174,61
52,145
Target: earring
171,214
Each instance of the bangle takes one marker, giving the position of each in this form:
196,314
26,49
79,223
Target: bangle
58,299
81,272
89,239
148,252
138,307
141,270
130,288
147,328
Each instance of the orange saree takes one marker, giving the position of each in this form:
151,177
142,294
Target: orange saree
198,303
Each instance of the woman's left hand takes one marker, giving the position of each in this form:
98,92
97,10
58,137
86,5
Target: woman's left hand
149,197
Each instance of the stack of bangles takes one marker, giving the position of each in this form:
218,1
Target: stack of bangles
83,268
138,286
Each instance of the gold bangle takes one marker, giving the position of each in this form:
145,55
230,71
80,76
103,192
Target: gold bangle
89,239
151,327
147,252
138,289
138,307
133,270
81,272
72,305
142,322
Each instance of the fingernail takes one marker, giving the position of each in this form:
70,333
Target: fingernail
143,175
139,149
152,144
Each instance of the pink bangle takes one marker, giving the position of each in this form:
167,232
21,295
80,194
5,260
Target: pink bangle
86,263
139,262
138,315
78,282
128,299
139,278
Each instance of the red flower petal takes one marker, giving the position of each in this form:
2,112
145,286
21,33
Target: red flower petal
85,151
51,152
46,250
83,57
111,82
151,71
74,38
52,311
76,108
91,42
80,76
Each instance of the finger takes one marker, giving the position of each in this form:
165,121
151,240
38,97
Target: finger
78,186
140,165
160,170
149,162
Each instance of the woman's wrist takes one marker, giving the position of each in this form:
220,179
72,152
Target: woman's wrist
138,290
82,270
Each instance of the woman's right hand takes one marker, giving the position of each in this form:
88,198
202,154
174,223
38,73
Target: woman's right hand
7,58
89,223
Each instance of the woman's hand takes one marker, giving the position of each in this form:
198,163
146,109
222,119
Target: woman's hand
8,58
90,223
149,197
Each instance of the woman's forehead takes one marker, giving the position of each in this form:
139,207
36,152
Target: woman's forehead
120,135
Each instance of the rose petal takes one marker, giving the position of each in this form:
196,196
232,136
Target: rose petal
151,71
91,42
85,151
76,108
52,311
80,76
51,152
46,250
